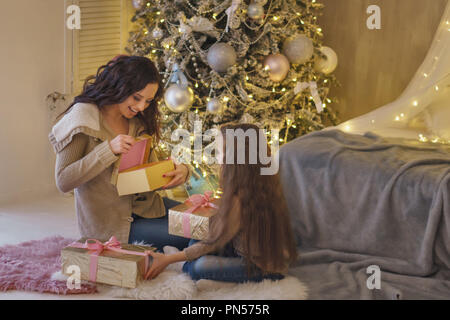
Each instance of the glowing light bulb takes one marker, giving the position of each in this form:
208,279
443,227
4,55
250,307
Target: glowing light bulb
347,128
415,103
437,88
397,118
226,99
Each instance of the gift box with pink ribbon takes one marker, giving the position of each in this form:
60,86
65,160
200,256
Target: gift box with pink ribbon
109,262
191,218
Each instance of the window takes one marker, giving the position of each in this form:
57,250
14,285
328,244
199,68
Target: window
103,35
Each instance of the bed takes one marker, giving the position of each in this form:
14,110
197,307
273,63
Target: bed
364,200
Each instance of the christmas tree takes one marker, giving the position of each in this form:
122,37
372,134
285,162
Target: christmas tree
259,61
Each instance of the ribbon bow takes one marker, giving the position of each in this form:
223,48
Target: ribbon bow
95,249
230,12
197,201
301,86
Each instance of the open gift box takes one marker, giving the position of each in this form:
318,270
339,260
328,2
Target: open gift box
136,174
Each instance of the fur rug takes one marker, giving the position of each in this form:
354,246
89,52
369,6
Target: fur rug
35,266
29,266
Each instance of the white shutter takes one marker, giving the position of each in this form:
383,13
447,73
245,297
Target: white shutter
103,35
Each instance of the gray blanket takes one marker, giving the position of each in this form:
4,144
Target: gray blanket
358,201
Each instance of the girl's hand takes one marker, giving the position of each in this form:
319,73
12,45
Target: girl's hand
121,144
179,176
160,262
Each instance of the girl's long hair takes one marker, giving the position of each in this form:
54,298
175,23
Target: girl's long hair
117,80
265,223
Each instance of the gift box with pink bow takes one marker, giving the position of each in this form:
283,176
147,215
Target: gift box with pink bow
109,262
191,218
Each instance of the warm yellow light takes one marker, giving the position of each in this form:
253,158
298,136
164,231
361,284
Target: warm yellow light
347,128
275,18
402,115
283,90
425,75
226,99
158,13
328,100
319,29
397,118
266,67
415,103
295,79
373,121
196,85
162,20
250,96
437,88
246,78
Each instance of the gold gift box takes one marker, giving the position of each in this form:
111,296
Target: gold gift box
198,221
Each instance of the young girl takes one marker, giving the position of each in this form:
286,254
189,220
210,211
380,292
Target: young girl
116,105
250,237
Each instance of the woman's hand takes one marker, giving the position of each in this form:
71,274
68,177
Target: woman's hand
179,176
121,144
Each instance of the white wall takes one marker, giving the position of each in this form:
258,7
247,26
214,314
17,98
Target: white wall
31,66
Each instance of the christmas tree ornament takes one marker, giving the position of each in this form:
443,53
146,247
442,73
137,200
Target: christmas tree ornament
138,4
221,56
255,11
178,98
298,49
278,67
157,33
214,106
328,64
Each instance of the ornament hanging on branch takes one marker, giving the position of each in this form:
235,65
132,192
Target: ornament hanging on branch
278,67
221,56
326,65
298,49
179,96
157,33
138,4
214,106
255,11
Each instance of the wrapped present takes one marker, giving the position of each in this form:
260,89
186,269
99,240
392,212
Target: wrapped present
191,218
136,174
109,262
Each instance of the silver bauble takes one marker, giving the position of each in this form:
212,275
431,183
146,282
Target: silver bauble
278,67
178,98
329,64
298,49
214,106
221,56
157,33
137,4
255,11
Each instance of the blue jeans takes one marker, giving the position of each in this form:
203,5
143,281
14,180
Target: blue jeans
228,267
155,231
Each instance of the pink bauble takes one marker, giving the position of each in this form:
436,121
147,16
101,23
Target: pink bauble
278,66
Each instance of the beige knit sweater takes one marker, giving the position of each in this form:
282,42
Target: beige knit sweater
86,164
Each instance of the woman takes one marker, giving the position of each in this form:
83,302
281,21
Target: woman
117,104
250,237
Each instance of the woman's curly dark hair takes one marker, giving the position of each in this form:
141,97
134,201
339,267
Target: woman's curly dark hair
117,80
